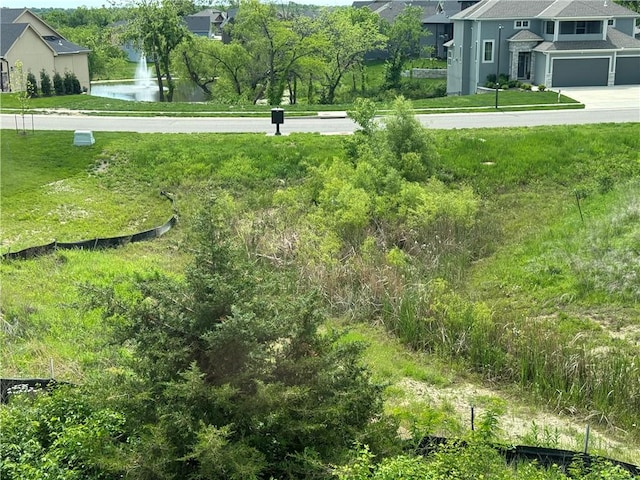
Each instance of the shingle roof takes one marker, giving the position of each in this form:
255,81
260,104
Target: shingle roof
620,40
390,9
437,18
545,9
615,41
525,36
585,9
198,23
9,33
10,15
62,46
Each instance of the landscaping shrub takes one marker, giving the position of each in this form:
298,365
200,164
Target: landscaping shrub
68,83
32,85
45,83
542,87
58,84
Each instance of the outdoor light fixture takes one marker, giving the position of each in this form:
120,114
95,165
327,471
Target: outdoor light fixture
498,65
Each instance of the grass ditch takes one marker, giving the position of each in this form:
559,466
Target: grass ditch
522,296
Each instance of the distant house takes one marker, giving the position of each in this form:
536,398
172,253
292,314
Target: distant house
558,43
199,25
216,19
25,37
435,17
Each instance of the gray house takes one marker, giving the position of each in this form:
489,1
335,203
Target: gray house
558,43
435,17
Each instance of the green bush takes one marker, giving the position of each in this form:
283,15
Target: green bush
45,83
58,84
32,85
65,435
68,83
542,87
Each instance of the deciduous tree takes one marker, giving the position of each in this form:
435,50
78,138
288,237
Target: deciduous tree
275,44
404,35
159,28
348,35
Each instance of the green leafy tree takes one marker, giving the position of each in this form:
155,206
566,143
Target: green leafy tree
348,35
194,61
276,45
45,83
404,43
159,29
231,67
243,382
630,4
98,39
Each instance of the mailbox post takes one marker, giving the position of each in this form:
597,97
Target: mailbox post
277,118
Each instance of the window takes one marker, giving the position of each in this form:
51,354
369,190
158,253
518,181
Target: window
450,55
594,27
550,28
581,27
487,51
521,24
611,22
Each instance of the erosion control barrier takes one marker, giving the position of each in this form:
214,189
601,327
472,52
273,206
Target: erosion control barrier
9,386
542,455
97,243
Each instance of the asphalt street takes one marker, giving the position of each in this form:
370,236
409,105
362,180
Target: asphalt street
603,105
319,125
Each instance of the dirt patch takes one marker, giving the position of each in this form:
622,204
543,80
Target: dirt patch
519,424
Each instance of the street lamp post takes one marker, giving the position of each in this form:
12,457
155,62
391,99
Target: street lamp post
498,64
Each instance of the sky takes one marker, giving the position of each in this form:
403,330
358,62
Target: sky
100,3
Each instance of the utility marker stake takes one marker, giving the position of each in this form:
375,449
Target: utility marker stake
579,207
586,439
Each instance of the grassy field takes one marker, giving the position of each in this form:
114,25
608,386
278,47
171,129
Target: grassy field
548,282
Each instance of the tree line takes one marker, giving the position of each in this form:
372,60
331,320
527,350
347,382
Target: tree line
269,50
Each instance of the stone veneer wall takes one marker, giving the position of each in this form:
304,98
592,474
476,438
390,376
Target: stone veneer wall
426,73
515,48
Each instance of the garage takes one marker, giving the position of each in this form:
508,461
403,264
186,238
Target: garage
627,71
580,72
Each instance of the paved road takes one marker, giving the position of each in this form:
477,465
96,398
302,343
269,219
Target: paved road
603,105
326,126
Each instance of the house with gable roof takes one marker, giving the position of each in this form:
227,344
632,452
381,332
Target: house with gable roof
27,38
558,43
435,17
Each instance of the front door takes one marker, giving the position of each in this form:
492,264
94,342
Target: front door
524,65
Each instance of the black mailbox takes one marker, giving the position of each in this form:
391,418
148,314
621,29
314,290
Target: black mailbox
277,118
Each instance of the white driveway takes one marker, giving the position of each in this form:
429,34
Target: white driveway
621,96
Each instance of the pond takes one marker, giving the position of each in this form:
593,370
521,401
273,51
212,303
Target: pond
133,91
144,88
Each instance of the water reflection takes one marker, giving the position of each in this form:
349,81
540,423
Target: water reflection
144,88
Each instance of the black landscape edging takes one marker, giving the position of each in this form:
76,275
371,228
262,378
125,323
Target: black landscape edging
96,243
543,455
10,386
